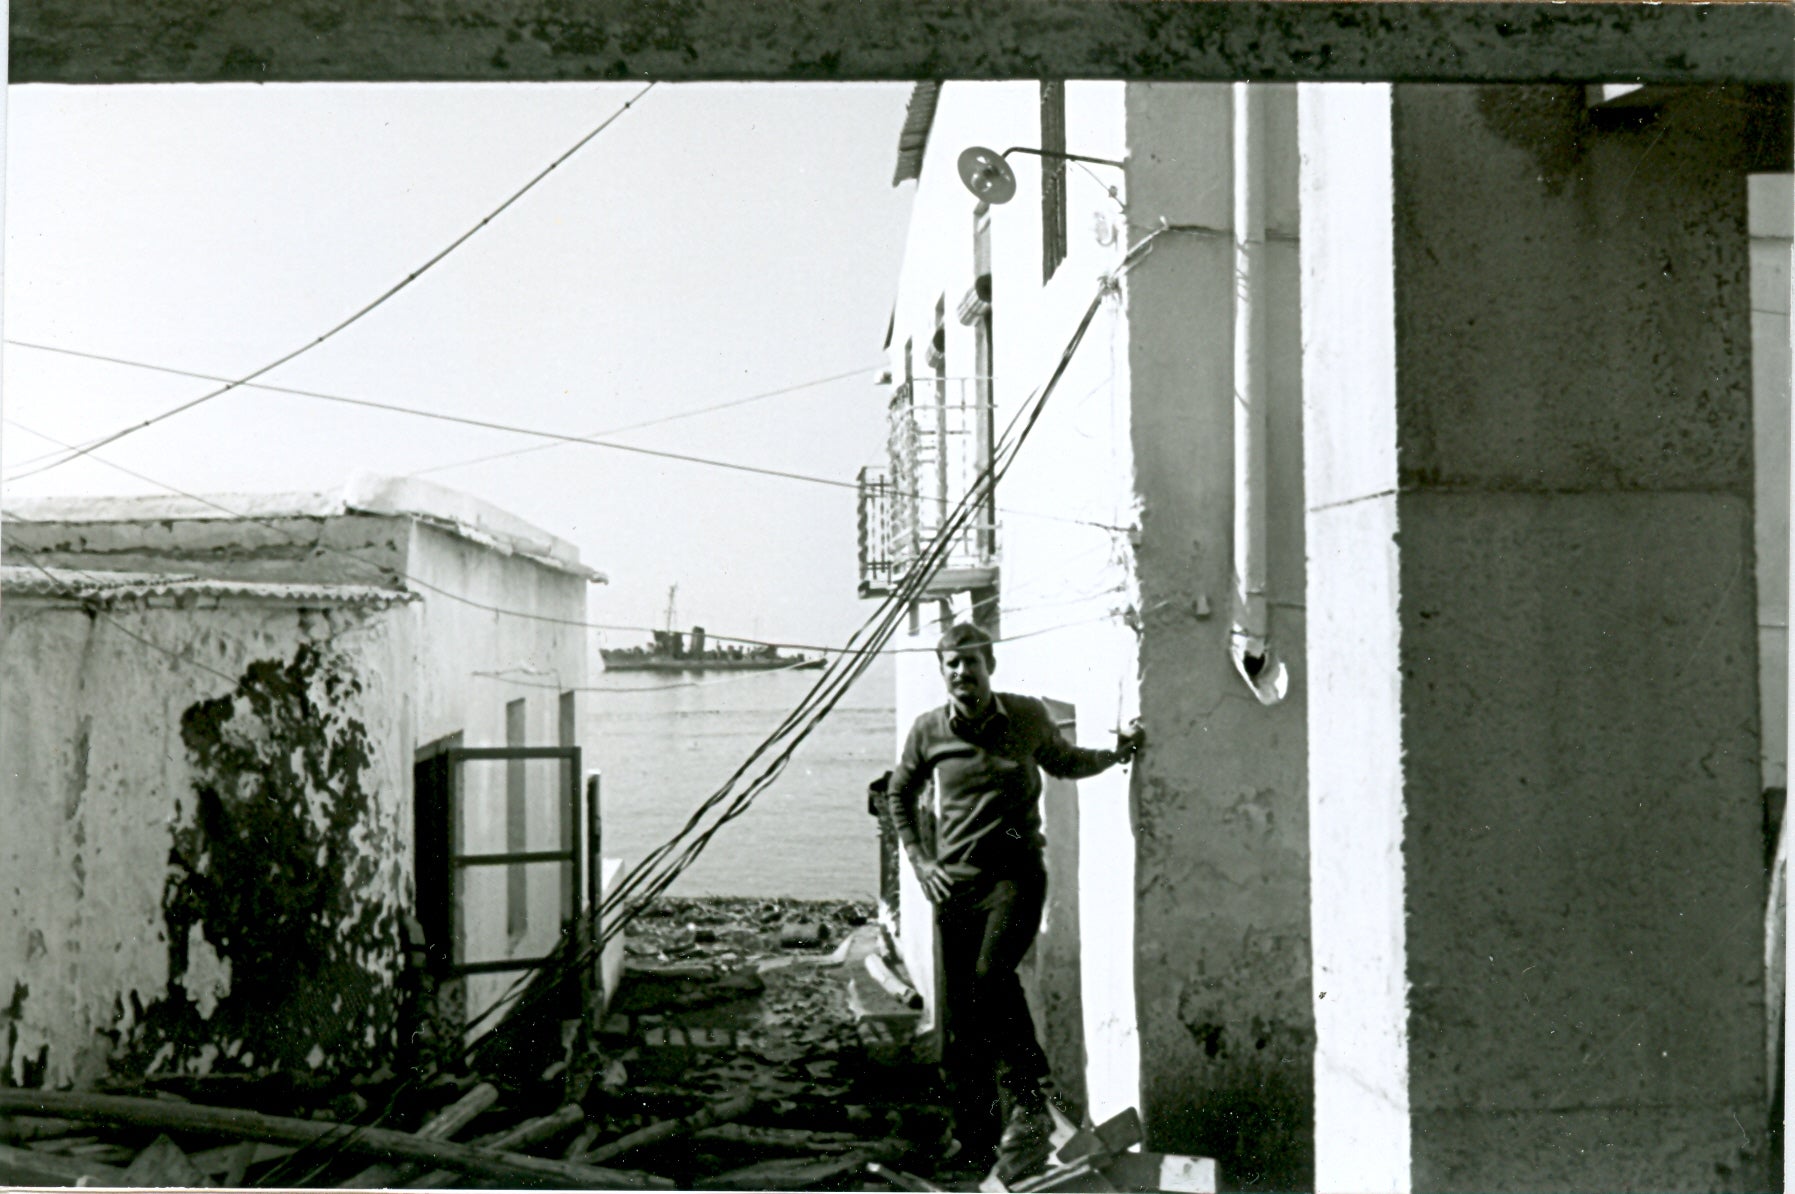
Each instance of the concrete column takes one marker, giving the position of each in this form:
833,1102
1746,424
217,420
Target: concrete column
1772,216
1221,947
1537,864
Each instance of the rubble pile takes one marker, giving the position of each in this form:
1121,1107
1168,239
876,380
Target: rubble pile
729,1060
752,1045
727,997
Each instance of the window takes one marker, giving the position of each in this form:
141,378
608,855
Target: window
517,890
438,841
568,735
1053,177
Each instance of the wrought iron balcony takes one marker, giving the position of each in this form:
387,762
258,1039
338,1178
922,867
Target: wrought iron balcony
939,446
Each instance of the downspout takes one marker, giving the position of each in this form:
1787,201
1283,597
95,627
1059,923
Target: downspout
1249,641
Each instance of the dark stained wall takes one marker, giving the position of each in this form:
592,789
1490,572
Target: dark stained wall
114,41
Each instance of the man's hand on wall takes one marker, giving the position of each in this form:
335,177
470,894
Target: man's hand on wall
933,877
1130,741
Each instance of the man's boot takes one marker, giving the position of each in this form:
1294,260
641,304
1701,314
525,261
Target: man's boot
976,1128
1023,1149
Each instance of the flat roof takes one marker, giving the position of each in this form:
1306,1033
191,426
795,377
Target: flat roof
425,502
88,585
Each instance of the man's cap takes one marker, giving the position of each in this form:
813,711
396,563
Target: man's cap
964,635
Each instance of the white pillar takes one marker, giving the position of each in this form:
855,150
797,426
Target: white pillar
1355,747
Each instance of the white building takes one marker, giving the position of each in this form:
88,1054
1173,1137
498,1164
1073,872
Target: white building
1403,483
231,782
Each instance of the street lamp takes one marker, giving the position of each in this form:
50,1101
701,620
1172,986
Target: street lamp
989,177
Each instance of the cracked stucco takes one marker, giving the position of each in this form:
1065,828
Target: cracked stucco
99,785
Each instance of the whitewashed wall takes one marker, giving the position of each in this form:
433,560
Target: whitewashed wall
459,647
1064,583
99,786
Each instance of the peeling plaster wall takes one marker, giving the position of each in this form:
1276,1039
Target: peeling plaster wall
455,643
102,958
429,689
1222,926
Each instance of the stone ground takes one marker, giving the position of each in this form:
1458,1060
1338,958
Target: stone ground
728,995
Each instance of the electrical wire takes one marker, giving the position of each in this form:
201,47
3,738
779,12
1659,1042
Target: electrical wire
562,438
171,412
849,670
349,401
646,423
393,574
886,618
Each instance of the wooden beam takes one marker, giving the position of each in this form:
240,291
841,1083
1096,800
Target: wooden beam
731,1108
441,1126
511,1168
201,41
531,1131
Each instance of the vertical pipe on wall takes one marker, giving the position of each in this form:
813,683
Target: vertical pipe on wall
1249,644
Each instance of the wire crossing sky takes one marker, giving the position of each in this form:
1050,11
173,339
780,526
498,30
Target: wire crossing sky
382,575
716,243
555,438
114,436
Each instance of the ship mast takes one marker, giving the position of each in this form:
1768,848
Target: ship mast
671,592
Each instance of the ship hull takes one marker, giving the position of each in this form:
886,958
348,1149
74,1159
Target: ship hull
649,664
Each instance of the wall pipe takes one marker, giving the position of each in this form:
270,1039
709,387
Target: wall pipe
1249,641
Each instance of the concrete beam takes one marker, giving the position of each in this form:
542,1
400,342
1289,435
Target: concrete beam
201,41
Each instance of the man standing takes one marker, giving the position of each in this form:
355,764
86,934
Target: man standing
986,875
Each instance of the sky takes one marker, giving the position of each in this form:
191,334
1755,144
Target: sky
716,242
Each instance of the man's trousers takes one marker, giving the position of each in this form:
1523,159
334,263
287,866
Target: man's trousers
992,1058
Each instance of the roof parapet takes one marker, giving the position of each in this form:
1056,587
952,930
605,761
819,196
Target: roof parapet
425,502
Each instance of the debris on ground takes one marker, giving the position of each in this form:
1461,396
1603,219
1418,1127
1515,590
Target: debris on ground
752,1044
1103,1158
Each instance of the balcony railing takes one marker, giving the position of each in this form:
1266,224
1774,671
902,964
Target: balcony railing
939,446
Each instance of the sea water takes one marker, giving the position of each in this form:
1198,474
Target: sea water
664,742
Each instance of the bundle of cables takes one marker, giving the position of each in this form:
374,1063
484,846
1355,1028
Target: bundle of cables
633,894
658,870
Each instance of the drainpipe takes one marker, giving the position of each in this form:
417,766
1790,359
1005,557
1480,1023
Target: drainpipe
1249,642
